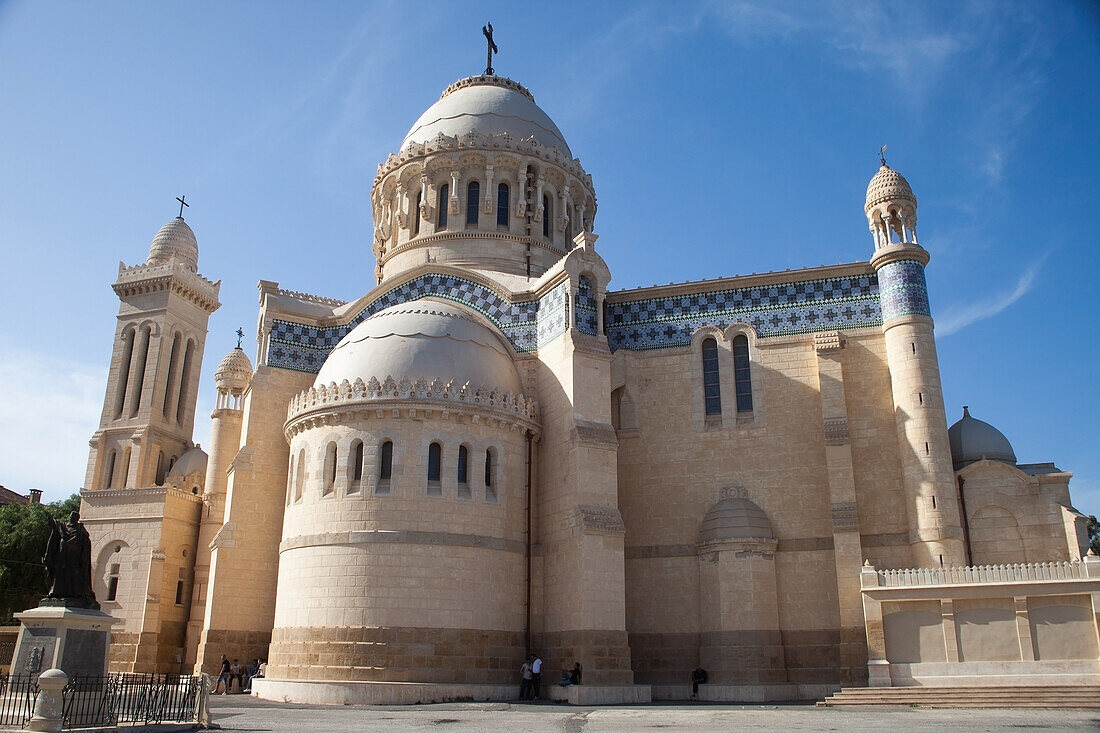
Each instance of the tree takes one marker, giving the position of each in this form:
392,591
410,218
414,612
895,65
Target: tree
24,531
1094,534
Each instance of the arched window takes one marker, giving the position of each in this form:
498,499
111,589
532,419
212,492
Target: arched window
169,381
712,392
490,489
160,469
473,194
109,475
441,208
330,469
503,202
355,466
300,479
124,364
463,472
435,460
385,468
124,469
290,479
547,214
741,378
112,581
416,213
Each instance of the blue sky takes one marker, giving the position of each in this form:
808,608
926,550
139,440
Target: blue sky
723,138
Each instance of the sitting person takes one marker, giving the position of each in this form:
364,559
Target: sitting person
698,677
565,681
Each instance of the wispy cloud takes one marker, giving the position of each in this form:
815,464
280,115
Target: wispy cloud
954,320
50,409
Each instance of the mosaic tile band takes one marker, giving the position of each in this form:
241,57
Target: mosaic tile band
904,290
772,310
585,303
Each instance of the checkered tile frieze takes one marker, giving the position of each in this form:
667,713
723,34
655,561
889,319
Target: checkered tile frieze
525,324
773,310
585,303
904,289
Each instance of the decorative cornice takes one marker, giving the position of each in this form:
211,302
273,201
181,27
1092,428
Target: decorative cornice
828,341
172,277
489,80
316,405
310,298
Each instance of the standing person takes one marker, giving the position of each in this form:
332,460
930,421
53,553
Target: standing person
223,676
575,673
536,674
525,681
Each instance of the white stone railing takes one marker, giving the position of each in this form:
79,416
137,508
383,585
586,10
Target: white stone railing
1022,572
446,394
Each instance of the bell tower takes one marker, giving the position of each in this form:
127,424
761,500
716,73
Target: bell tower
149,408
935,530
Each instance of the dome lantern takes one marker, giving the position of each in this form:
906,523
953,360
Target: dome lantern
891,208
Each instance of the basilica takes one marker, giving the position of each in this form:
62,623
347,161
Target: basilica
491,453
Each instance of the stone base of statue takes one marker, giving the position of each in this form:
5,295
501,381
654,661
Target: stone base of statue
74,640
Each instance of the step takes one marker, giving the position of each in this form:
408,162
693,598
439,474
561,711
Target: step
1080,697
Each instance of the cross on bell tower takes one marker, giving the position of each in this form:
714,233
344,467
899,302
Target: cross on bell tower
487,31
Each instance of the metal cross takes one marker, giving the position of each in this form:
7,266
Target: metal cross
487,31
240,336
882,155
182,204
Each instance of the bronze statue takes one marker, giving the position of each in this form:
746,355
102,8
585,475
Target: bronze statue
68,562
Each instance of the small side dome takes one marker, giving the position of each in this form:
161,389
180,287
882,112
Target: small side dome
888,185
974,440
191,464
735,519
234,372
175,239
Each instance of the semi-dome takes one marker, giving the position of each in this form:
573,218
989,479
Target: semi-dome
888,185
191,462
427,339
487,105
735,519
234,372
175,239
974,440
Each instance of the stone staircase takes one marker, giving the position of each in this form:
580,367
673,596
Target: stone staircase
1076,697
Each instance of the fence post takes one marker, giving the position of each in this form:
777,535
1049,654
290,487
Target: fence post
49,709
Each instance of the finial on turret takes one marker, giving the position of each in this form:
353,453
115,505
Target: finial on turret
487,31
882,155
966,411
240,336
183,202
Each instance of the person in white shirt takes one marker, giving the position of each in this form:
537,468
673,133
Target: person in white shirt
536,675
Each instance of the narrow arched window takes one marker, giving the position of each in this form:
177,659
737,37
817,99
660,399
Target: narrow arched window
547,213
490,489
473,193
300,479
112,581
435,460
503,202
357,471
330,469
742,378
124,370
712,392
385,465
160,469
124,469
109,476
463,472
290,479
441,208
416,213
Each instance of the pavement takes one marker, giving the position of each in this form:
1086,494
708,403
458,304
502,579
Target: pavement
244,713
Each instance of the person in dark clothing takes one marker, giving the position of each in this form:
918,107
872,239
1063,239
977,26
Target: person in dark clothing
698,677
223,676
575,673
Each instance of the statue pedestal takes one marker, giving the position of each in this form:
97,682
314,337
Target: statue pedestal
75,640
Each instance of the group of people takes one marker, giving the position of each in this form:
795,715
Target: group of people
531,672
243,675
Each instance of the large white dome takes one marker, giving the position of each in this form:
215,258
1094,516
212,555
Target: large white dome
489,105
425,338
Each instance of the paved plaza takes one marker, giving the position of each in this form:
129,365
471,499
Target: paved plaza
241,713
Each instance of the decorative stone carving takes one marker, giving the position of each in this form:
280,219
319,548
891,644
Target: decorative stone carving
844,515
605,520
836,431
828,341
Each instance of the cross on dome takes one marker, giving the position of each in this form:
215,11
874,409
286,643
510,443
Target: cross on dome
183,202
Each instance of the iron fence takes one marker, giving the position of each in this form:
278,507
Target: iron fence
113,700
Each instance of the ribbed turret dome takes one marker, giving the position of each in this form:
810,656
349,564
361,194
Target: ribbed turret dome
888,185
735,519
426,339
487,105
175,239
234,372
973,440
